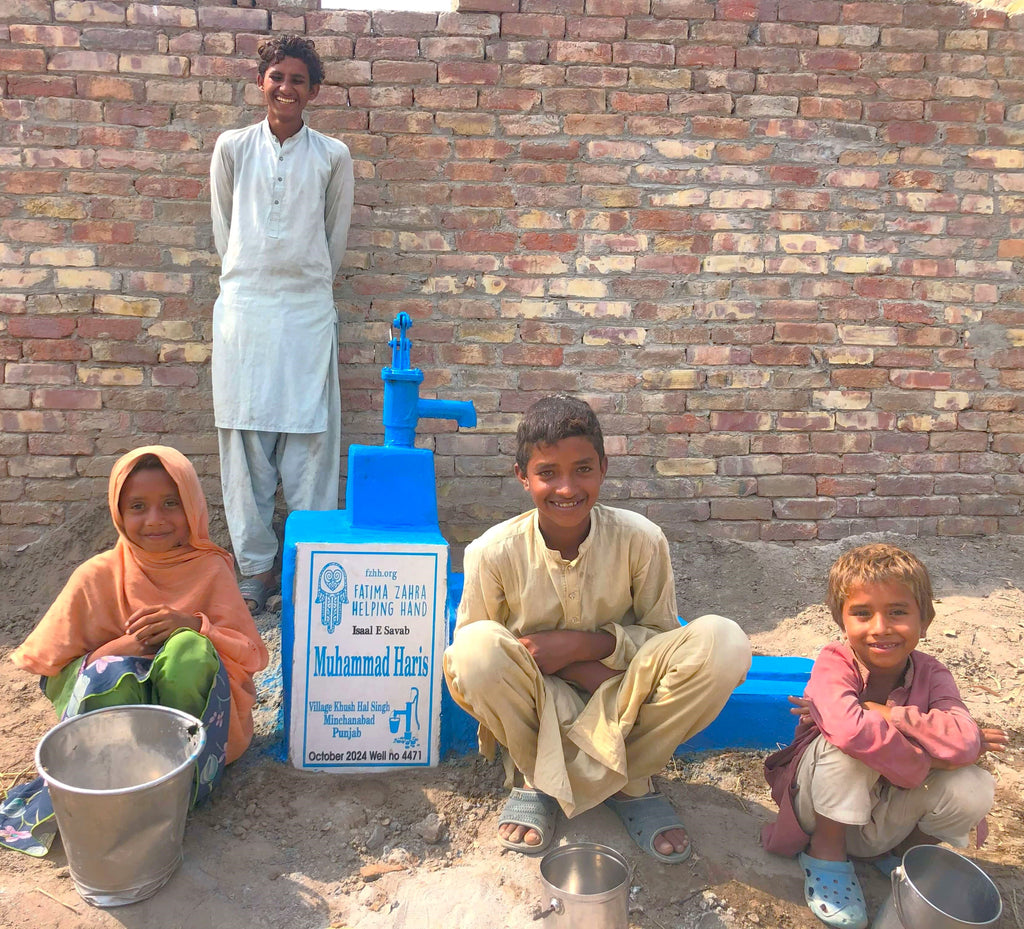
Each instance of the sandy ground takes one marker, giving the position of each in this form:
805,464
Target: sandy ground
281,848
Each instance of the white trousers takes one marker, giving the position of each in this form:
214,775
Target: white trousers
308,466
878,815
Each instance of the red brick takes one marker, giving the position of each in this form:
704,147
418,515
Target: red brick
967,526
40,327
756,508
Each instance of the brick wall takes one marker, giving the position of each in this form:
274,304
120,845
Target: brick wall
777,243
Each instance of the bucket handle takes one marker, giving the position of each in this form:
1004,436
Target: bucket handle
554,906
896,875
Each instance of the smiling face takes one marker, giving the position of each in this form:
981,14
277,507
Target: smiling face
883,625
286,90
563,481
151,510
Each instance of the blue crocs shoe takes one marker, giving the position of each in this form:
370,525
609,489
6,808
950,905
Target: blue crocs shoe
833,893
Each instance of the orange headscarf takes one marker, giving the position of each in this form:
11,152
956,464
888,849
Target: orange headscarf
96,603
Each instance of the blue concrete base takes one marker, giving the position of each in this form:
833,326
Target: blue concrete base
756,717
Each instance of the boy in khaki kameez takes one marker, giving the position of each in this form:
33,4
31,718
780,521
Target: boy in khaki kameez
569,652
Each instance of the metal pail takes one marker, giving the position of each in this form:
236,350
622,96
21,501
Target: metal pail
588,885
120,780
935,888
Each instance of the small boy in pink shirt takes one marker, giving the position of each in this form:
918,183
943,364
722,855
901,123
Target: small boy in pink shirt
884,753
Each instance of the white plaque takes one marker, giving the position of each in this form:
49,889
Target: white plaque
366,673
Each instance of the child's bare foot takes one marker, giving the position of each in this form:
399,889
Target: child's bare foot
527,823
653,825
519,835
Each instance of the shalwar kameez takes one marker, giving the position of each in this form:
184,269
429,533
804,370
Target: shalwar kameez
281,215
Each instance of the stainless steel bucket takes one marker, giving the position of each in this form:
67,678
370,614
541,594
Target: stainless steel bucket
588,886
120,780
935,888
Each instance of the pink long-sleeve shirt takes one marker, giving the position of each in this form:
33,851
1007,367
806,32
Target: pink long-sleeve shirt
927,720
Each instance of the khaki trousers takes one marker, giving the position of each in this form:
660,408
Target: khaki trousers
879,816
582,748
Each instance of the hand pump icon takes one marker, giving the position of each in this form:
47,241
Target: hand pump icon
410,712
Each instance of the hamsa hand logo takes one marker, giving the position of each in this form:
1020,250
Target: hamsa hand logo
331,593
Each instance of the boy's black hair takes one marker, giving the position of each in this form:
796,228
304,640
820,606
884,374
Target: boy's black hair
292,46
552,419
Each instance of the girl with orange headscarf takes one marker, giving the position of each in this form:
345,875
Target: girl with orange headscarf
156,619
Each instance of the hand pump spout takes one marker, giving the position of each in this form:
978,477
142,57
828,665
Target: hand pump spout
403,408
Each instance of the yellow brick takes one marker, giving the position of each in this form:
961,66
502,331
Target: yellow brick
868,335
703,151
87,11
876,264
851,355
17,279
63,257
487,331
804,244
957,315
87,280
154,14
446,285
606,264
616,309
578,287
733,264
422,242
1014,182
925,422
612,196
811,264
655,379
195,352
682,467
741,199
976,203
660,78
187,258
952,400
110,377
497,422
998,158
127,306
669,244
969,39
179,330
693,196
538,219
1015,337
841,399
55,208
531,309
492,284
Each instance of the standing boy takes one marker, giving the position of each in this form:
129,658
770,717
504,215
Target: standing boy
281,198
568,650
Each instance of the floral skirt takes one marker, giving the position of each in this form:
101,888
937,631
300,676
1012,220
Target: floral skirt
185,671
